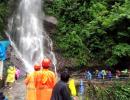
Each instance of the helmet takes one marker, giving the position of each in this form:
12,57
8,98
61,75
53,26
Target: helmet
46,63
37,67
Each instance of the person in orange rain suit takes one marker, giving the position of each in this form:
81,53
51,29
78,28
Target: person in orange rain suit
48,80
31,83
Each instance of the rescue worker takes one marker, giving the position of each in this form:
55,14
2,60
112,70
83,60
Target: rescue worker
10,76
48,81
31,83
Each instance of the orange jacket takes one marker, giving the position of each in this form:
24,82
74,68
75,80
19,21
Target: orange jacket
44,89
40,85
31,90
32,82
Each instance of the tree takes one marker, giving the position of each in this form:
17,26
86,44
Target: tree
4,10
92,30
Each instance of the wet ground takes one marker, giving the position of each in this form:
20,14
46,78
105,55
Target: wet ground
17,92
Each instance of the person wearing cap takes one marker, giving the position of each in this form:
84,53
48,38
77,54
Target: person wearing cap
31,82
48,80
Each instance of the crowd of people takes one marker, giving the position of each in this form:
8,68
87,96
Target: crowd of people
42,84
104,74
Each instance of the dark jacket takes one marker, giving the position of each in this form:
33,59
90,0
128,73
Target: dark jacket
2,97
61,92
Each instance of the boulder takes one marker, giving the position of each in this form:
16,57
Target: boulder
50,23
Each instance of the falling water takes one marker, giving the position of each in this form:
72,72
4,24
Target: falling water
28,36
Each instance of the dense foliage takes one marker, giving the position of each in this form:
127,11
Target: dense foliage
92,32
4,11
117,91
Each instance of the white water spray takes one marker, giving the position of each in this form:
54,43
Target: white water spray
28,36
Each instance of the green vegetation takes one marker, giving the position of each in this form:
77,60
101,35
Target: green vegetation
92,32
4,11
116,91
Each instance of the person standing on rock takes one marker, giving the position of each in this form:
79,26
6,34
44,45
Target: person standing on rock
31,83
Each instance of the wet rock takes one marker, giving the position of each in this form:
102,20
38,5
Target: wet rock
62,62
13,59
50,0
50,23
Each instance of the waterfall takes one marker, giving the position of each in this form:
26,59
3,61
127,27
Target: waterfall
27,35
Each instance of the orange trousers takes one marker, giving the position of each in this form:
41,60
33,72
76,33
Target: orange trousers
43,94
31,94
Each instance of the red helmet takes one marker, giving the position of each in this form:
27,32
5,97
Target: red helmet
37,67
46,63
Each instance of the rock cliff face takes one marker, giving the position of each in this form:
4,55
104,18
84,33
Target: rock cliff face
12,59
50,24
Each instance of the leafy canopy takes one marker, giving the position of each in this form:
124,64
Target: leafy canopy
95,32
